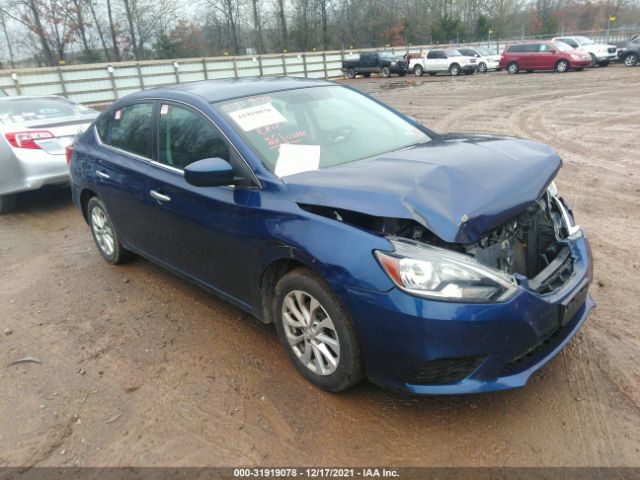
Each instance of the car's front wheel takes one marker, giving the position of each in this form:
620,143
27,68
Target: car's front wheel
562,66
104,234
513,68
630,60
418,70
482,68
7,203
454,70
351,73
316,331
386,72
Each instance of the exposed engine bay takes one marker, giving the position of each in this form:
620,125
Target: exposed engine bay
526,245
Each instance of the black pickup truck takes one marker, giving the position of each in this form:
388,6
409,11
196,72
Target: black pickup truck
375,62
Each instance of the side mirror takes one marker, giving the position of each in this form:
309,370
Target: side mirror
210,172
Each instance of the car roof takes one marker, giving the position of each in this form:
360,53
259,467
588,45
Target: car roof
227,89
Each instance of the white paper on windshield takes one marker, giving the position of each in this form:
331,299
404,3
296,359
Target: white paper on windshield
257,117
297,158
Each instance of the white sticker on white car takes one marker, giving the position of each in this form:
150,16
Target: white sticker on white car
297,158
257,117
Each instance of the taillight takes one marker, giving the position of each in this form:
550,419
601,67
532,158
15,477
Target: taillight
27,139
68,151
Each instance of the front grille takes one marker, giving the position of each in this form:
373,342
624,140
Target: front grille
612,50
445,371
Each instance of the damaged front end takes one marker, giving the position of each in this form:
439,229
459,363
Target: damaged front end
531,250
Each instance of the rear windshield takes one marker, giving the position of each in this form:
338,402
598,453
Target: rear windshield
26,109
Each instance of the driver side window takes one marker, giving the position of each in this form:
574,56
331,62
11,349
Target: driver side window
186,137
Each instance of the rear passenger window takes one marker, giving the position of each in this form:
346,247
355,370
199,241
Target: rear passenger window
131,129
186,137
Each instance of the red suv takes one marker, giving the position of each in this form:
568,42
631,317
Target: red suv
556,56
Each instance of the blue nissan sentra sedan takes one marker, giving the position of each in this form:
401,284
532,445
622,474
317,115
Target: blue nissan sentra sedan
432,263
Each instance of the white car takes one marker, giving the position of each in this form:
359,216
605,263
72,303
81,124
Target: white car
486,59
601,54
34,133
437,61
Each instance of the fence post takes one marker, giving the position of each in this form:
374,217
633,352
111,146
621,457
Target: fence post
260,65
304,64
284,64
62,85
14,77
176,67
204,69
140,77
235,68
324,64
113,82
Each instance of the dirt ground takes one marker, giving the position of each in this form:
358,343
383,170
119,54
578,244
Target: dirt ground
142,368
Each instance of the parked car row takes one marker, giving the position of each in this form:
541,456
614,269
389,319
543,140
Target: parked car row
559,54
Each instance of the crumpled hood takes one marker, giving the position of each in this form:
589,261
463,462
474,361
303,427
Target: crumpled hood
458,186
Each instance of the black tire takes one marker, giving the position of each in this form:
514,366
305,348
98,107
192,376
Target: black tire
118,254
418,70
454,70
7,203
631,59
350,369
513,68
594,60
366,75
351,73
482,68
562,66
386,72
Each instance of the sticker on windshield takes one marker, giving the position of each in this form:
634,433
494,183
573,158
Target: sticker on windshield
296,159
256,117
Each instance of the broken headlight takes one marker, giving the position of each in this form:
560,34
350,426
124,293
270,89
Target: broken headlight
439,274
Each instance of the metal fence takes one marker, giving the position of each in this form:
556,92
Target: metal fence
104,83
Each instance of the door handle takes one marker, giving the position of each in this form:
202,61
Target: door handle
159,196
102,175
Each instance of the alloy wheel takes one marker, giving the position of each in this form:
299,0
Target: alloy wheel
482,68
630,60
103,231
310,332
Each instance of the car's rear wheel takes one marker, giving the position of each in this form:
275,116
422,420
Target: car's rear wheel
7,203
418,70
562,66
513,68
104,234
630,60
316,331
386,72
454,69
351,73
482,68
594,60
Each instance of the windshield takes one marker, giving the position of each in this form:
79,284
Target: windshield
484,51
453,53
584,41
319,127
25,109
387,56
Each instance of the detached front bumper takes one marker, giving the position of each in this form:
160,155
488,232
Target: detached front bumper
430,347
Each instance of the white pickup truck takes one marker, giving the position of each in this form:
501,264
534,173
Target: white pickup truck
437,61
